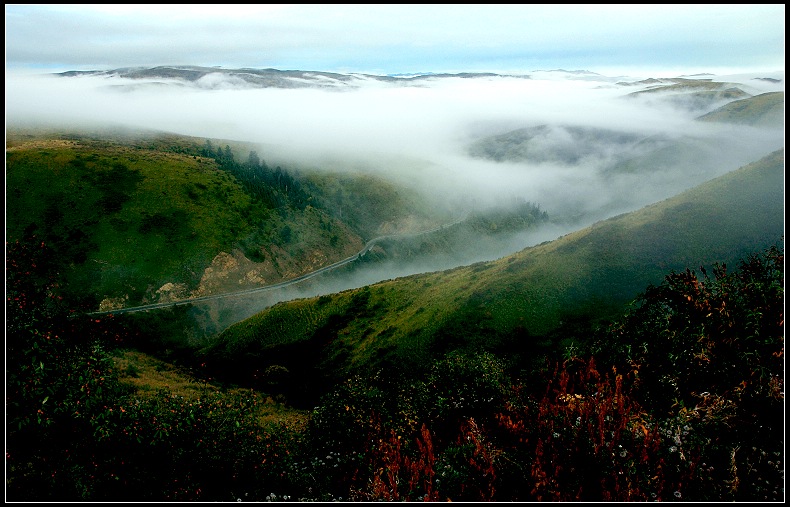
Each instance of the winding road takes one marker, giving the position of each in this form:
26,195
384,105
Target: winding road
282,284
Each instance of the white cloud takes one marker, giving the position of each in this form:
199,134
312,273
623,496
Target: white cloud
417,135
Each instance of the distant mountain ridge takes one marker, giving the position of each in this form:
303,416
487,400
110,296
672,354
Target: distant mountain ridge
218,77
246,77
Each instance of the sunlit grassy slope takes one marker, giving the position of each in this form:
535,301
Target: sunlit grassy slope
522,302
127,213
141,216
692,94
764,110
149,376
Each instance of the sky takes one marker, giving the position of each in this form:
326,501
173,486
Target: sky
398,39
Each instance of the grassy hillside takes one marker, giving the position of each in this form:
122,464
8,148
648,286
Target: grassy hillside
764,110
693,376
139,216
691,94
129,214
517,305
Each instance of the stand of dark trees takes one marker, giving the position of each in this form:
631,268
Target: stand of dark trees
274,187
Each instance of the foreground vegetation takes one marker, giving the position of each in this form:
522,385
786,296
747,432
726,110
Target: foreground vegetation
680,399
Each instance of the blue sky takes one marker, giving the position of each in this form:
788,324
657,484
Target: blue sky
390,39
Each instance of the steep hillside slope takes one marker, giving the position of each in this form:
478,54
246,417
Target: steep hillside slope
518,304
764,110
140,217
144,217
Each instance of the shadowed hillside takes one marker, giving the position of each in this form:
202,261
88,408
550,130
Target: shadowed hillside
545,143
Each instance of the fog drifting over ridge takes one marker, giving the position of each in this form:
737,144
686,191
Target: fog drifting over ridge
419,132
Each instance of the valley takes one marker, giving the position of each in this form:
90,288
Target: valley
265,300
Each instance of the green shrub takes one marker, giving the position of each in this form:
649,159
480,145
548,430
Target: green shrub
460,387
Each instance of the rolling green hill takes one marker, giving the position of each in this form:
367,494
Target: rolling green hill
521,305
764,110
140,217
690,94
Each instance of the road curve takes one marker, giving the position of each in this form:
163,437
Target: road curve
370,244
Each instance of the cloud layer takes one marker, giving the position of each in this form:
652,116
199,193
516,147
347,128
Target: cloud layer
420,134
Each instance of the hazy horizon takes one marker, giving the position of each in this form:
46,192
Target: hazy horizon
631,39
